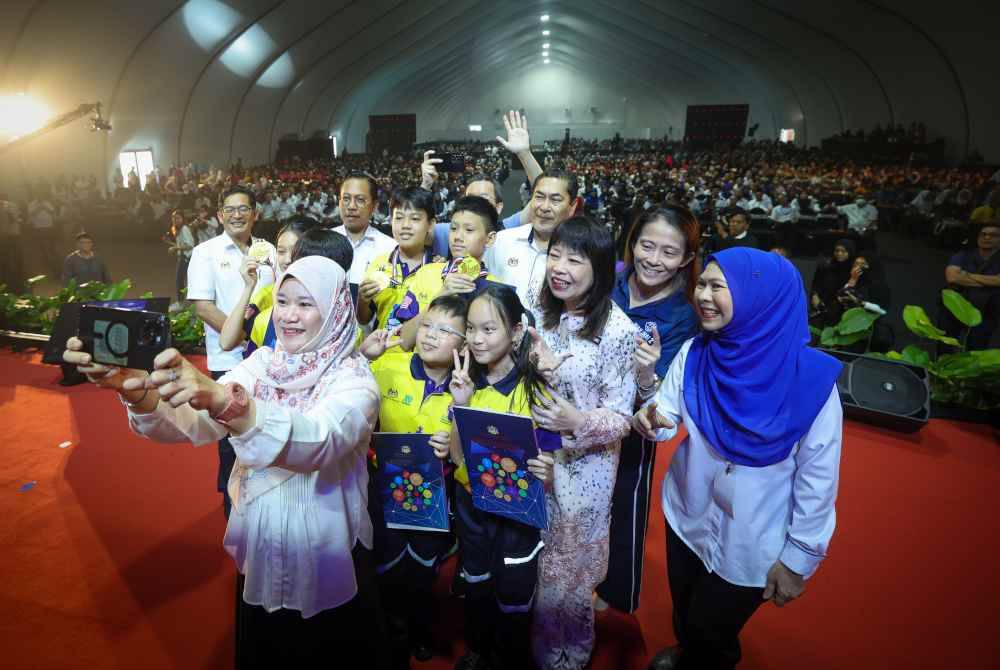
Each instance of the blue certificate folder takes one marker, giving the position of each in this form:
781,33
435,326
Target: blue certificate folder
410,482
497,447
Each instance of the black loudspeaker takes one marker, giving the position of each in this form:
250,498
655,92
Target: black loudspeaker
891,394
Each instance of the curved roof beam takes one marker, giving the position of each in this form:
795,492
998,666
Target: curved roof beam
944,57
441,69
271,61
218,51
14,43
843,45
750,56
309,69
121,77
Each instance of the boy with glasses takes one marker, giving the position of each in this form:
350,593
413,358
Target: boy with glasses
415,398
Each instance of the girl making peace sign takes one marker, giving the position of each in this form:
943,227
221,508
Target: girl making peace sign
499,557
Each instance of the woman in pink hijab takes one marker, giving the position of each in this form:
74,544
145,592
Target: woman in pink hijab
299,417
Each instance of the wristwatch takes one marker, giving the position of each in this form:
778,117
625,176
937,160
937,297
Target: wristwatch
237,403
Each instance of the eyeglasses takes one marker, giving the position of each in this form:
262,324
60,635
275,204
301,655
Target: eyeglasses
438,330
242,209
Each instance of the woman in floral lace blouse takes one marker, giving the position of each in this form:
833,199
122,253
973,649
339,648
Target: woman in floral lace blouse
591,342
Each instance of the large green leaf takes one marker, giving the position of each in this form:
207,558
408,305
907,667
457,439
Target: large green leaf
915,355
961,309
828,337
856,320
918,322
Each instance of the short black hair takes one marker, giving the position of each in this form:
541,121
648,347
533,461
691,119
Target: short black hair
363,176
479,206
452,304
583,235
572,185
238,189
418,199
482,176
326,243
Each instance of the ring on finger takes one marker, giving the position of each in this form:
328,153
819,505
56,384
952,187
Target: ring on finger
173,375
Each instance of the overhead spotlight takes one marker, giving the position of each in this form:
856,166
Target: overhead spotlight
546,45
545,17
545,54
546,33
546,61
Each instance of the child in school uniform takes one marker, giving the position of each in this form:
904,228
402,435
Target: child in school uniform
499,556
470,233
415,398
392,291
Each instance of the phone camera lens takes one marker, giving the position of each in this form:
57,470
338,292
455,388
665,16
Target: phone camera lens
149,334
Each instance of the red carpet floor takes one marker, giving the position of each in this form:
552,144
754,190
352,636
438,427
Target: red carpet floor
112,558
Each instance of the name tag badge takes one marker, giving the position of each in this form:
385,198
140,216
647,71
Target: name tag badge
724,491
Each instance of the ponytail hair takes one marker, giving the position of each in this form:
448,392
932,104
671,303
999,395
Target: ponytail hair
512,313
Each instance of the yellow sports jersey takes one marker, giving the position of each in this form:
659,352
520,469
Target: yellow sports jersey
507,395
389,303
424,284
407,406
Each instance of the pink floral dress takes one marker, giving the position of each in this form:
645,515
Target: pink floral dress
599,379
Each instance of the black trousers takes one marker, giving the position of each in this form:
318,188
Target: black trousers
227,459
406,565
630,503
709,612
500,570
331,638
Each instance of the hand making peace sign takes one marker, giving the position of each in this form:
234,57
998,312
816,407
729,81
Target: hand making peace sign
461,386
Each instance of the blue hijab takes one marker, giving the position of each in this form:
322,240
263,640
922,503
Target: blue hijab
754,387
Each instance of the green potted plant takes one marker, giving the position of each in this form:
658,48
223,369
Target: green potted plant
967,379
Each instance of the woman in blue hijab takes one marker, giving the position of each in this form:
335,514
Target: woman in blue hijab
749,497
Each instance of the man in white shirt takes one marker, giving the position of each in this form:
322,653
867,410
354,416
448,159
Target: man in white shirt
760,200
783,212
357,201
42,217
861,216
215,286
518,255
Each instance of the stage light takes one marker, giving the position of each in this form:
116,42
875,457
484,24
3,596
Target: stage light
546,61
546,45
545,17
21,114
545,54
546,33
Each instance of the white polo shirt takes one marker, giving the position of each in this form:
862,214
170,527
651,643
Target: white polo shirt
372,245
214,274
517,260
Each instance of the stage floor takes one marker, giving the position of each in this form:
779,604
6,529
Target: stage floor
111,551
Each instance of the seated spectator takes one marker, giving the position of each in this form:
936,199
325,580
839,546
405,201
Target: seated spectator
988,211
783,212
83,265
975,273
862,217
829,278
735,232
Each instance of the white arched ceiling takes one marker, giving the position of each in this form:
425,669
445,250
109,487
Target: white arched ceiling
213,80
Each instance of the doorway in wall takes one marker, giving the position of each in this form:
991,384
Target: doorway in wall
139,160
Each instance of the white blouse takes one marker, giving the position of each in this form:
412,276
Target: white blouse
293,540
739,520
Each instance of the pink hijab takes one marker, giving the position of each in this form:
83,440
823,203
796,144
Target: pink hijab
326,282
298,380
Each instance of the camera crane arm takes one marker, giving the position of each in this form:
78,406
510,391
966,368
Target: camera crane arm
69,117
